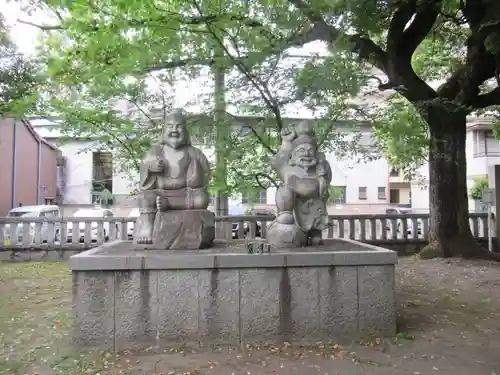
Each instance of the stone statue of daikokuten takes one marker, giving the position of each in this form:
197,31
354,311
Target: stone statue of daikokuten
301,200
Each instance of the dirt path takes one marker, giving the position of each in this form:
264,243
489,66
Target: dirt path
449,324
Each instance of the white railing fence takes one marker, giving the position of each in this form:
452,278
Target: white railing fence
62,233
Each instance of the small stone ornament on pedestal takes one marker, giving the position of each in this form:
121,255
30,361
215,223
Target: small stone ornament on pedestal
173,196
257,247
301,200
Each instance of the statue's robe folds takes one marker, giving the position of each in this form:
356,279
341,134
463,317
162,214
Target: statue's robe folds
181,191
186,224
309,209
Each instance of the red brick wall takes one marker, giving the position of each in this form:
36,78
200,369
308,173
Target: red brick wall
6,158
26,165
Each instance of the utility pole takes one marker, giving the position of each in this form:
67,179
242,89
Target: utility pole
221,136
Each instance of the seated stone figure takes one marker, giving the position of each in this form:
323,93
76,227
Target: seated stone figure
173,196
301,200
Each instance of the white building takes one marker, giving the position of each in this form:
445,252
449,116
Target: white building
367,187
482,154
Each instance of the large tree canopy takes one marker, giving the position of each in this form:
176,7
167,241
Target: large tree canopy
85,82
18,83
412,42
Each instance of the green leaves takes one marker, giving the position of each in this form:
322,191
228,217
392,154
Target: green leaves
128,132
135,52
480,184
19,78
402,135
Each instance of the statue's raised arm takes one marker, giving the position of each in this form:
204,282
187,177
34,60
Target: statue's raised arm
280,160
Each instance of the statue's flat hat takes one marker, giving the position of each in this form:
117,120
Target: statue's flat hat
304,138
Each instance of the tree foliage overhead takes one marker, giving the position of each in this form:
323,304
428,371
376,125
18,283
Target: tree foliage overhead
412,42
18,77
113,51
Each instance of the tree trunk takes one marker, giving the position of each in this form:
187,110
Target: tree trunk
450,233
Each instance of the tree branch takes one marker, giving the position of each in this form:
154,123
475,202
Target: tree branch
42,27
148,117
425,18
486,100
260,86
463,85
270,179
298,40
364,47
116,138
403,40
398,70
399,20
257,135
256,177
451,87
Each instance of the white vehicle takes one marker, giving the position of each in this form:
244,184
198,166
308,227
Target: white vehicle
87,213
131,224
38,211
409,221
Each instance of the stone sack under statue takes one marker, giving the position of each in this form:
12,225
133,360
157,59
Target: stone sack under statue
173,196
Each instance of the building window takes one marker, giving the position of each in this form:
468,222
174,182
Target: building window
394,172
394,196
102,177
337,194
362,193
258,198
381,192
262,197
492,146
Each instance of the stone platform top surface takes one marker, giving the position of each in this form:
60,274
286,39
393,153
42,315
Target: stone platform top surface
124,255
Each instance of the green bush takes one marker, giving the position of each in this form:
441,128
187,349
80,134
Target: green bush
476,192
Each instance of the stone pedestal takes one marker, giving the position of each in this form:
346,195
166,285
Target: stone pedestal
184,230
125,298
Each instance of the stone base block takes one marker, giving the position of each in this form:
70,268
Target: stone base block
285,236
184,230
124,298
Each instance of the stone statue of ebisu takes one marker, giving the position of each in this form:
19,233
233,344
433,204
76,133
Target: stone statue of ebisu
301,200
173,197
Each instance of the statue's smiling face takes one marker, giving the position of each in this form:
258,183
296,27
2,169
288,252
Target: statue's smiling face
304,155
175,133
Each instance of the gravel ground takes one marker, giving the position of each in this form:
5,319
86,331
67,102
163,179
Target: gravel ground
449,323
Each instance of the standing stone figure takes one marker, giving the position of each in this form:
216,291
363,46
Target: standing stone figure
301,200
173,196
